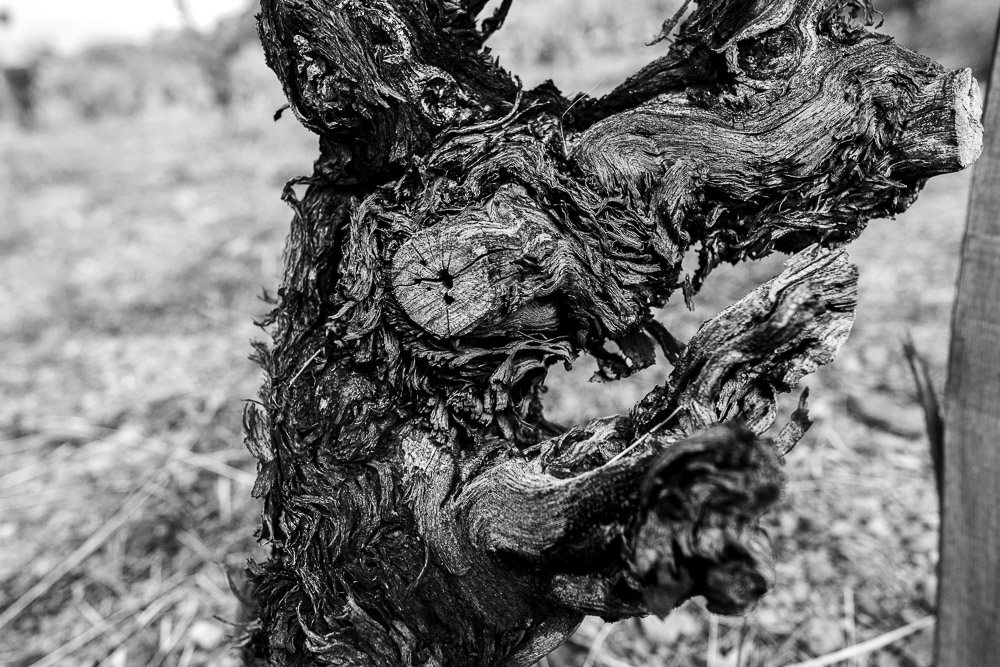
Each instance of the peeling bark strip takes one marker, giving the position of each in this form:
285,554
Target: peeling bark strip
460,235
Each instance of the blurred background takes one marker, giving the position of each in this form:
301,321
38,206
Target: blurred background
140,173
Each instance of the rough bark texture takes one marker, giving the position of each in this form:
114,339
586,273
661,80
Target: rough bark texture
459,235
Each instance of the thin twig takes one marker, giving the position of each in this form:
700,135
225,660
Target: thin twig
670,24
597,645
209,463
713,640
933,420
224,493
305,366
67,491
196,545
493,23
38,468
645,436
562,134
186,655
54,496
742,640
218,595
87,611
866,647
850,629
22,444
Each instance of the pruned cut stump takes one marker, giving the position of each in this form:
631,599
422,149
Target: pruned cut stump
478,268
443,288
945,130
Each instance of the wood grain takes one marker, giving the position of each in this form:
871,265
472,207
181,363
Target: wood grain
969,599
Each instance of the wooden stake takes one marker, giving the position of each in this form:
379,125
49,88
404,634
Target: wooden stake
969,598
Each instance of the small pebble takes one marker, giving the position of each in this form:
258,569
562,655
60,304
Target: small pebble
824,636
206,635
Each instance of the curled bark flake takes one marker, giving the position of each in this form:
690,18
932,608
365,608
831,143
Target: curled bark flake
703,497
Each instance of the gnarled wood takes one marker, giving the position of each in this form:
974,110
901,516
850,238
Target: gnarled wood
459,236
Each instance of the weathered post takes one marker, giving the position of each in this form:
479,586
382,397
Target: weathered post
969,600
459,235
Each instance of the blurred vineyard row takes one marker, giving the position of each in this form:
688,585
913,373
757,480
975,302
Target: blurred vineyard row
592,44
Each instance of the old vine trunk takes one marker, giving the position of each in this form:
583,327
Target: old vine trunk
459,235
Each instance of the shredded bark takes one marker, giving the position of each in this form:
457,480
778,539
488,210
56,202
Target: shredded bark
460,235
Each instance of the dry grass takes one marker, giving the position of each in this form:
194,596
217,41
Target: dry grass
132,252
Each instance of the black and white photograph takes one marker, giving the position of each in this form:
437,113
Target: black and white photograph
500,333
